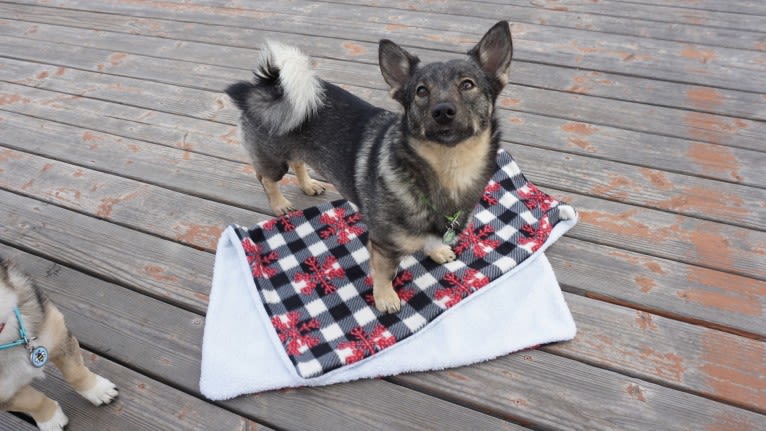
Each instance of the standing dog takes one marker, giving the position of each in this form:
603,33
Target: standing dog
26,313
415,176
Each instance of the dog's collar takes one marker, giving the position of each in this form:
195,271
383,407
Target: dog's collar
37,355
452,221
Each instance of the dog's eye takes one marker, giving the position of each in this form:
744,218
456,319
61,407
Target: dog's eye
421,91
466,84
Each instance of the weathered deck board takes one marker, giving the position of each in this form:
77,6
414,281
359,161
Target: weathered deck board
144,404
120,166
605,17
671,122
164,341
659,285
9,422
616,402
635,228
697,98
632,348
574,47
662,12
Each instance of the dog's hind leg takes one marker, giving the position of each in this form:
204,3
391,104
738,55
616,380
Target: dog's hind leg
47,413
308,185
67,356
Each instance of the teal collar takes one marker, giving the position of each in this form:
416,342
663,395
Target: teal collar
23,339
38,356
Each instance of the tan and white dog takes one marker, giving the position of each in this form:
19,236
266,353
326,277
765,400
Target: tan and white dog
32,330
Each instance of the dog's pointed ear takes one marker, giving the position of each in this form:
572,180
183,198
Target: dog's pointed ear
493,53
397,66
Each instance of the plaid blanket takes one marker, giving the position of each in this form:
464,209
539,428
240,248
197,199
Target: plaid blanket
311,270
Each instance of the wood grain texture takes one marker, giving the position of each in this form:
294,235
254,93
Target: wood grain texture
659,285
603,84
662,286
685,62
10,422
163,341
143,404
694,125
120,165
522,384
164,269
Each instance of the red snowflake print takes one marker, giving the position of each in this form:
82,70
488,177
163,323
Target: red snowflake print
533,198
405,294
477,240
320,274
535,237
471,281
341,225
258,260
284,221
293,335
492,187
365,344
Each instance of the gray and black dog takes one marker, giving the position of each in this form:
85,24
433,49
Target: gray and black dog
415,176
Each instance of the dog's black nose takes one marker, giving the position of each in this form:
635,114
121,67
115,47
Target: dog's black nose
444,112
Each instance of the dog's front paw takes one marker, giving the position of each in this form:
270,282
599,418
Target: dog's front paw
442,254
281,206
312,188
386,300
103,392
56,423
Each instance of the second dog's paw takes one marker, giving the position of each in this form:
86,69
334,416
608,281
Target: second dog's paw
56,423
313,188
442,254
566,212
387,301
103,392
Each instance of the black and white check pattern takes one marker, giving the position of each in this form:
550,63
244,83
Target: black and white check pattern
311,269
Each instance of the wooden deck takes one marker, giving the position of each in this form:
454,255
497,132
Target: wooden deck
120,166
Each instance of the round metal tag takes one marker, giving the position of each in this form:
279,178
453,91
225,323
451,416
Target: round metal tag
39,356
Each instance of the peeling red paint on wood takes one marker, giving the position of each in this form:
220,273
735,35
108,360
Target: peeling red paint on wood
646,284
712,128
733,369
705,97
657,178
354,49
707,201
727,292
107,204
717,158
695,53
157,273
579,128
669,365
635,392
9,99
205,237
644,321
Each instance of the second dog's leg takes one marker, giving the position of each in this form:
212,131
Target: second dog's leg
47,413
383,272
309,186
278,202
68,358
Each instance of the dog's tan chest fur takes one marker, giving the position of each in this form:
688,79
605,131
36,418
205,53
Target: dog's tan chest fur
457,168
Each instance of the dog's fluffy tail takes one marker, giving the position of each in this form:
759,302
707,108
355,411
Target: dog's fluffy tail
285,91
